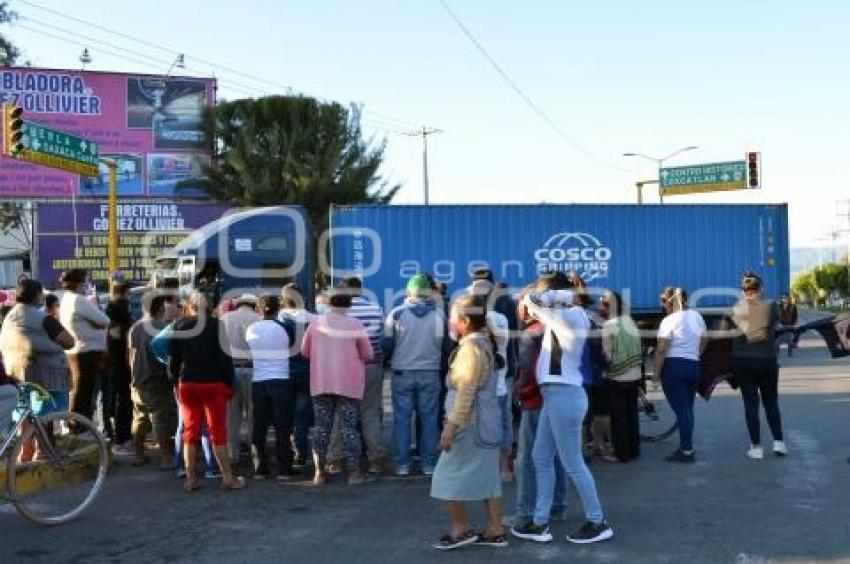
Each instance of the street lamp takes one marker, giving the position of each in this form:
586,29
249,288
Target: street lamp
660,163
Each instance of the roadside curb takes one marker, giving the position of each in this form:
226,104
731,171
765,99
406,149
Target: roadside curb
39,476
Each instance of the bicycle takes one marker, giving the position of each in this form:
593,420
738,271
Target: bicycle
657,420
44,454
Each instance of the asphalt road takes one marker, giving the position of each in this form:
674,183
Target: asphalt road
724,508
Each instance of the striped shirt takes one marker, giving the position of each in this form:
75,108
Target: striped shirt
372,318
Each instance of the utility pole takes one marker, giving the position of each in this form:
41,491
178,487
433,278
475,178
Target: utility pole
424,133
639,185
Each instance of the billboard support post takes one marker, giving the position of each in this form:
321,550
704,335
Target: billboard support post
113,217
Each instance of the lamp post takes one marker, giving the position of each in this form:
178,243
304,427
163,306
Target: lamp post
660,162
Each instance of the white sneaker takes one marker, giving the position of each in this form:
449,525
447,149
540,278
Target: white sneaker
756,452
779,448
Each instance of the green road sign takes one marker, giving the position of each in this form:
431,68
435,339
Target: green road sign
46,146
710,177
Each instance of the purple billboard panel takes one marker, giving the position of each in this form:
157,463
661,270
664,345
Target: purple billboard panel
77,236
131,117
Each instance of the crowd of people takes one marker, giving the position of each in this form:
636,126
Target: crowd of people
485,389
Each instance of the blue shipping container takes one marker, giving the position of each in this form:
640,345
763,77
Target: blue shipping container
636,249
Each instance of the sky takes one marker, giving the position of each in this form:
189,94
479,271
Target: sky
728,76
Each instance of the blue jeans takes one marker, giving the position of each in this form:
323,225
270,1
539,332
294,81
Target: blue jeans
526,481
679,379
559,434
420,390
210,464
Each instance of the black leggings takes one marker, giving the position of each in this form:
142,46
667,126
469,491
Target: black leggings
759,377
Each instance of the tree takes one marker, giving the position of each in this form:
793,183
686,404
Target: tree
805,288
8,52
287,150
832,278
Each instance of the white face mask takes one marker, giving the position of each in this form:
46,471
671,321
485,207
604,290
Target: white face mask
322,309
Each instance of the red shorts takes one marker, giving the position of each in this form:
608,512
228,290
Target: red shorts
204,400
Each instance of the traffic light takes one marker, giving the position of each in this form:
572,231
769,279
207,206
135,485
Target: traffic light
13,129
753,169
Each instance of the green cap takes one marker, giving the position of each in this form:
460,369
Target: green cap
418,284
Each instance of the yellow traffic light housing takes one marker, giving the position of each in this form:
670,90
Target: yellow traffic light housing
13,130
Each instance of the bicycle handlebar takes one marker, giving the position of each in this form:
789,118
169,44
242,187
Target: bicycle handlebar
40,391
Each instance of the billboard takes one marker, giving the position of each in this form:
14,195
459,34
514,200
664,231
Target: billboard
76,235
151,125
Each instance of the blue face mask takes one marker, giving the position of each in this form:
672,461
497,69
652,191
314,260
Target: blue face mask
322,309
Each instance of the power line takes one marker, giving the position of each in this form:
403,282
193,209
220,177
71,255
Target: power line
521,93
244,87
213,65
152,62
125,57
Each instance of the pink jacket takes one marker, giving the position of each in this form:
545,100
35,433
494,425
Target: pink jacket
338,348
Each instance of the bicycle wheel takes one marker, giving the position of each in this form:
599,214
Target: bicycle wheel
67,472
657,420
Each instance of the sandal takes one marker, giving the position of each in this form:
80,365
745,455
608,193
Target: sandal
238,483
448,542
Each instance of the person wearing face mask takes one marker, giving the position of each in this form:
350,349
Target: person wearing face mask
33,346
754,363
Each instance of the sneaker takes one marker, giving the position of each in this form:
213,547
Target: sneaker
756,452
591,532
682,456
532,532
779,448
375,468
449,542
428,470
498,541
212,474
402,471
180,473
